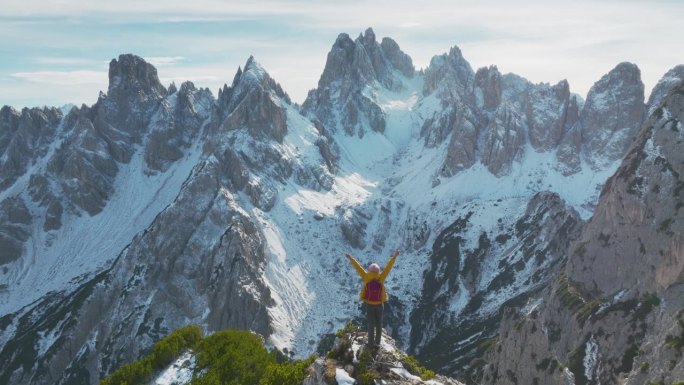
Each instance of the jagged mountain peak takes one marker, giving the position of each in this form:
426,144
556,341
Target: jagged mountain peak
612,114
351,66
621,76
251,77
614,313
449,71
367,38
131,72
238,185
671,80
364,60
645,190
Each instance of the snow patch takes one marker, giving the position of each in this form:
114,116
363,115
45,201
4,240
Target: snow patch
84,245
343,378
590,360
401,372
180,372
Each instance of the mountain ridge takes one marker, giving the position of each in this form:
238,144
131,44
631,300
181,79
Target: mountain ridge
212,205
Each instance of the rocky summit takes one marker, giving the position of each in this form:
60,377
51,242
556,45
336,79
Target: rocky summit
539,230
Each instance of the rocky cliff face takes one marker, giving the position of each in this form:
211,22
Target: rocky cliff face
202,257
467,284
614,314
339,102
24,138
608,122
490,118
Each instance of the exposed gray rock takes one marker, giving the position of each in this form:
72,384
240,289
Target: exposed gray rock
256,105
24,137
450,75
462,152
637,222
665,85
570,151
200,261
176,125
172,88
85,166
448,336
488,87
417,231
614,314
261,194
612,115
608,122
549,114
53,216
338,102
383,223
389,363
353,226
395,56
504,139
15,220
248,104
134,92
41,192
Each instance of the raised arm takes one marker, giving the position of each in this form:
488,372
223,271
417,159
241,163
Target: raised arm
387,268
362,272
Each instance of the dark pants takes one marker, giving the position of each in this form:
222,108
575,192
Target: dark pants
374,314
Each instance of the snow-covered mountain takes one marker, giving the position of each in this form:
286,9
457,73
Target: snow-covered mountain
157,207
614,313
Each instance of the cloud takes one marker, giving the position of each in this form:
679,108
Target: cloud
63,61
205,40
158,61
64,78
410,24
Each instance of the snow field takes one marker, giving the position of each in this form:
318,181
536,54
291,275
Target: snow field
85,245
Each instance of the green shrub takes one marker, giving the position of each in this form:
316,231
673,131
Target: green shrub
568,294
348,328
487,345
341,351
415,368
228,357
163,353
288,373
137,372
368,377
674,342
232,357
170,347
587,310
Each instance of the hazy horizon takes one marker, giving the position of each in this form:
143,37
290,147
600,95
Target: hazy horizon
58,53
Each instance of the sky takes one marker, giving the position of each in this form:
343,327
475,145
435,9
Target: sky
56,52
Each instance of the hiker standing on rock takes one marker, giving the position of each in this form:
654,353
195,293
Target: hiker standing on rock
374,295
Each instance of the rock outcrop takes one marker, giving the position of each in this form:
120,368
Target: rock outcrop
612,114
15,220
25,137
350,361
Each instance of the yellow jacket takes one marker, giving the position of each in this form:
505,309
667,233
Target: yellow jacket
368,276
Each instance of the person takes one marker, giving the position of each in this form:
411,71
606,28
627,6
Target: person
374,295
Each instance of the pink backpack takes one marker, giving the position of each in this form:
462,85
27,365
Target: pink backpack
373,291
